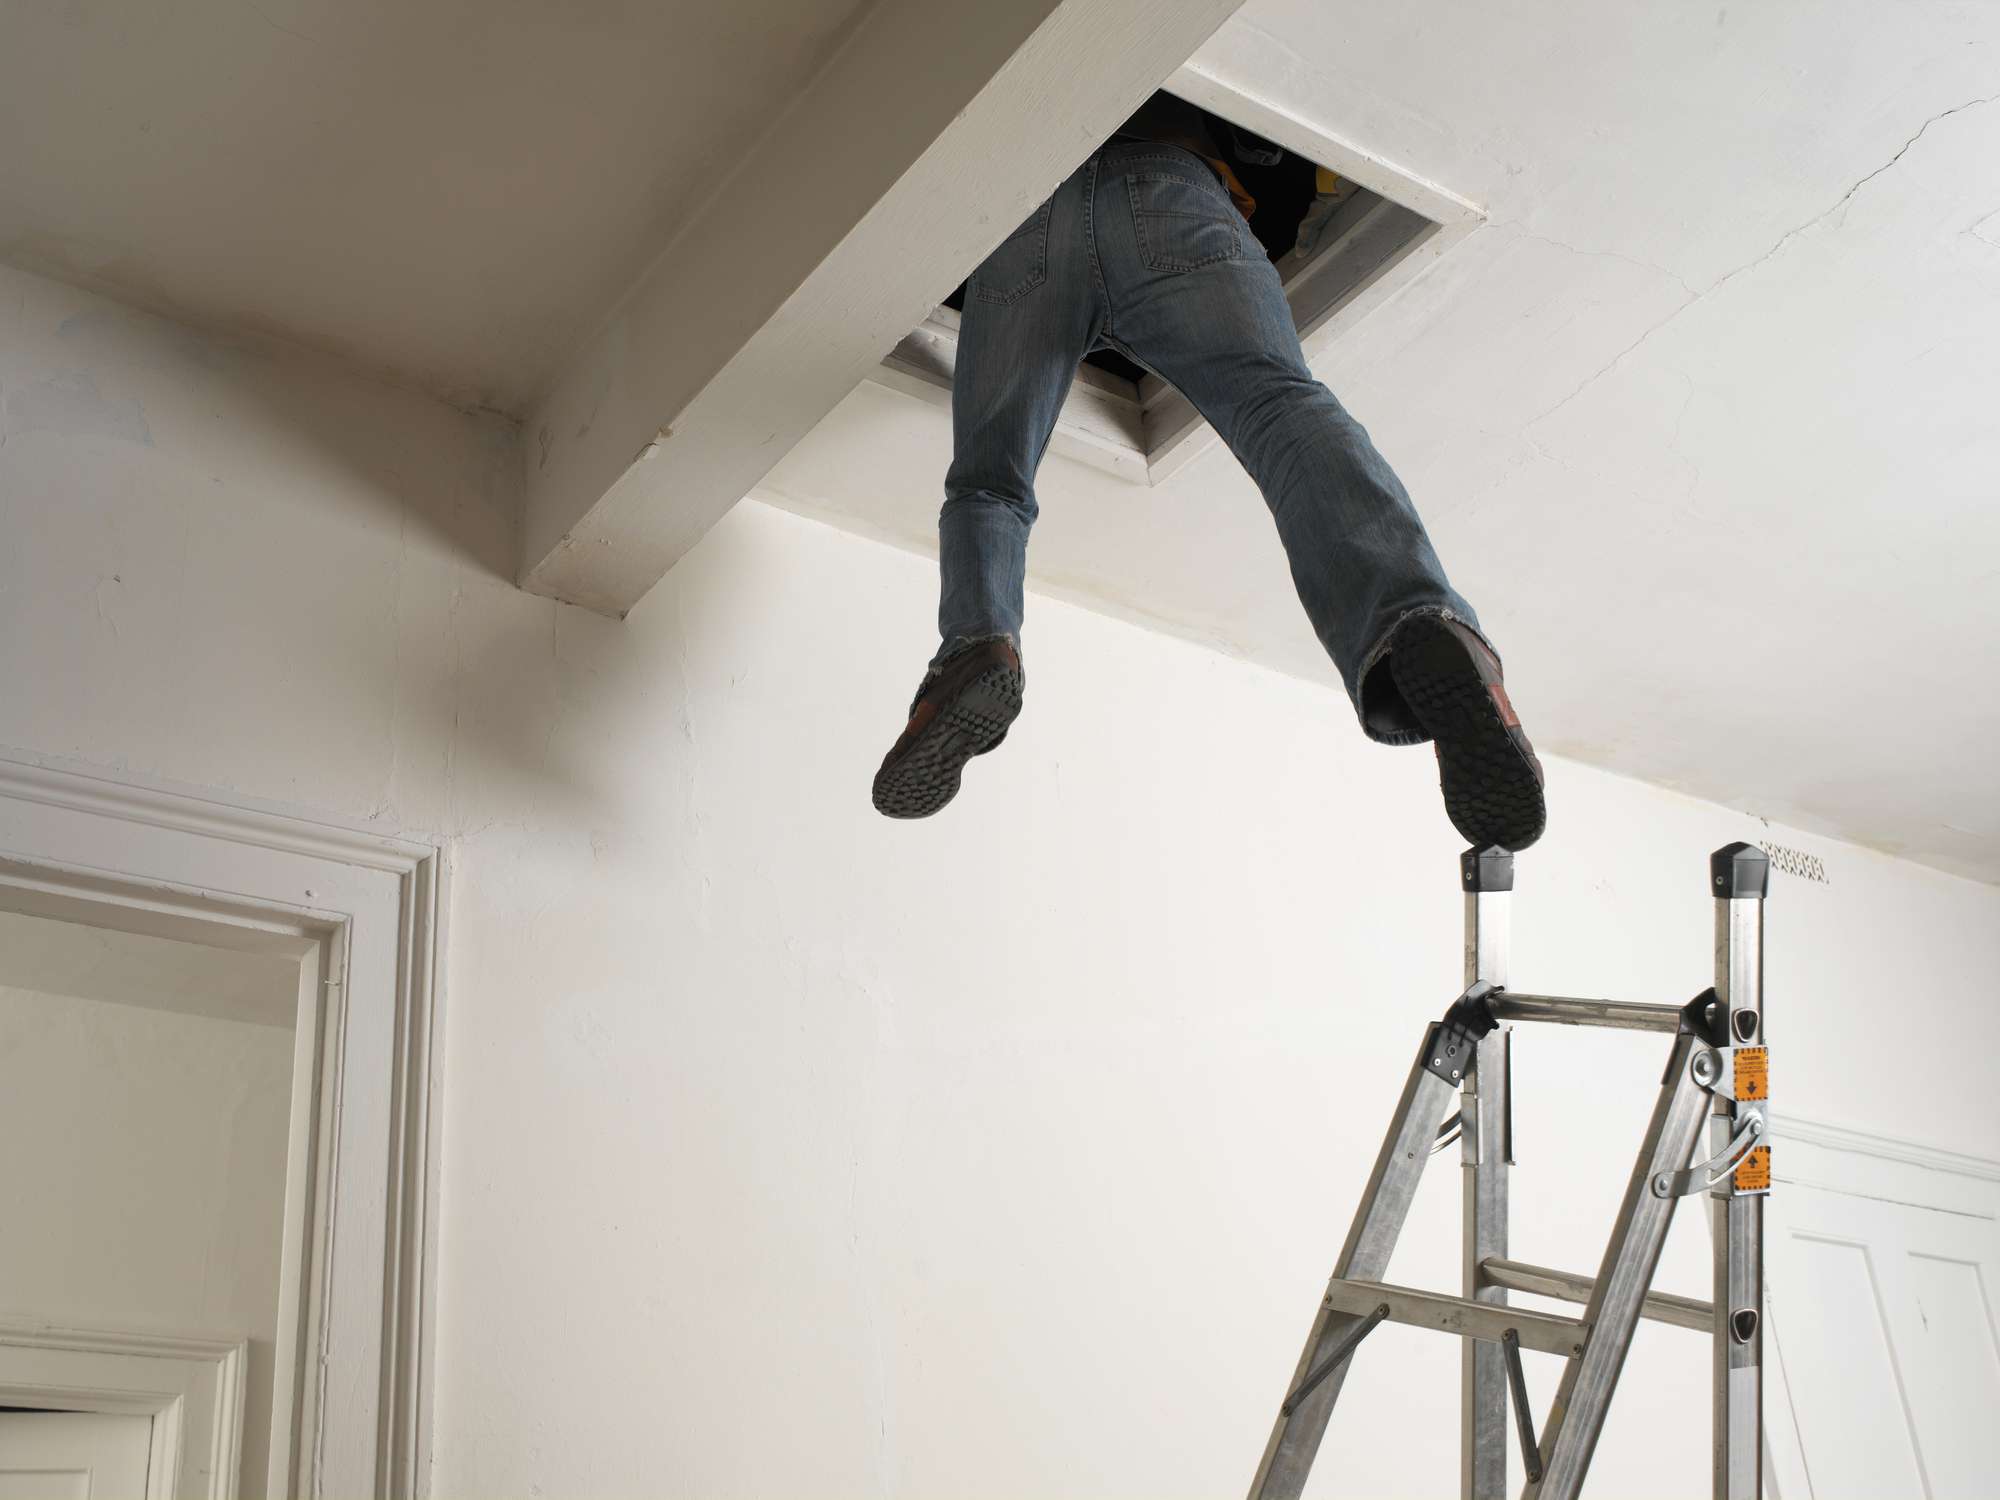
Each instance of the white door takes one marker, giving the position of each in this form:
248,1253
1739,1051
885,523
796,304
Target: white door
73,1455
1882,1278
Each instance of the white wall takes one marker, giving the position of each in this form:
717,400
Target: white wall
792,1151
143,1179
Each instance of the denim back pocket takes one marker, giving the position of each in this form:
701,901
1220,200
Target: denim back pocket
1020,264
1181,223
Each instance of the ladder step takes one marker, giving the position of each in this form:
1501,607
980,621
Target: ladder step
1661,1307
1552,1333
1626,1015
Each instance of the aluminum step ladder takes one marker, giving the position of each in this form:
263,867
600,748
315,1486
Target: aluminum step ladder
1717,1070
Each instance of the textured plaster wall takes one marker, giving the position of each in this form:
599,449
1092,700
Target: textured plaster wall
790,1151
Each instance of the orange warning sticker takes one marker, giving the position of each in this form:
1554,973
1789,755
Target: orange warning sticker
1753,1073
1753,1173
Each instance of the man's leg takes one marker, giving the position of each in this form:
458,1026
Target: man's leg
1193,296
1029,317
1030,314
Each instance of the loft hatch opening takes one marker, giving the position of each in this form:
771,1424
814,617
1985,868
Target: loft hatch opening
1342,238
1295,200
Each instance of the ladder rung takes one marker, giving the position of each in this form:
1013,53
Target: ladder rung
1627,1015
1552,1333
1661,1307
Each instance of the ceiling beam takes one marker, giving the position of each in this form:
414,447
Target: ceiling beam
921,144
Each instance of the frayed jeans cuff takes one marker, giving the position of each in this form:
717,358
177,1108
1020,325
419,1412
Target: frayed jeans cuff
1391,734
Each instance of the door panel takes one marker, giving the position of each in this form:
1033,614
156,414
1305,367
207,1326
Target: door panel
1951,1364
73,1455
1840,1361
1880,1298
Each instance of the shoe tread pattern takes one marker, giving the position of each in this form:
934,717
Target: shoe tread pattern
1491,791
926,776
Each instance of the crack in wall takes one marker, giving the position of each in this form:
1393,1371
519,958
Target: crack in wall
97,596
1619,255
1748,266
1845,198
1674,440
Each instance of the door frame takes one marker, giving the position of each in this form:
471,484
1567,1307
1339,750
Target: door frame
364,913
192,1388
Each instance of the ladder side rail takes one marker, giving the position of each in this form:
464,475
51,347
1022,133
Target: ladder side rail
1577,1417
1739,879
1385,1204
1486,1150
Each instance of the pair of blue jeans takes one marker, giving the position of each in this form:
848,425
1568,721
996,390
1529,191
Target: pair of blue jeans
1141,251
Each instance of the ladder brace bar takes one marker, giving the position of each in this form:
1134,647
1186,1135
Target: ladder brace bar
1551,1333
1625,1015
1661,1307
1524,1419
1349,1342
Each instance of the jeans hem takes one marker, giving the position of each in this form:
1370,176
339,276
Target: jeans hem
1413,735
958,645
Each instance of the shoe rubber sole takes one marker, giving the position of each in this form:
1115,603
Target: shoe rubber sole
926,775
1491,790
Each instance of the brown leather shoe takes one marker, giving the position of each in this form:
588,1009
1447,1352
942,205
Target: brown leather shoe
961,712
1491,779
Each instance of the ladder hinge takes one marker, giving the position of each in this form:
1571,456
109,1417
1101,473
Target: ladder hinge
1451,1046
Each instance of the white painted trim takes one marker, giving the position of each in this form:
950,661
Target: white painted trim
295,1250
192,1388
253,874
83,787
1884,1147
1200,82
1815,1156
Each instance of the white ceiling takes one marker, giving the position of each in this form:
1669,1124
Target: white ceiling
1702,416
1704,419
453,192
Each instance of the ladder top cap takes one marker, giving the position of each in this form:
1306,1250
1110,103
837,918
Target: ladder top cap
1488,869
1739,871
